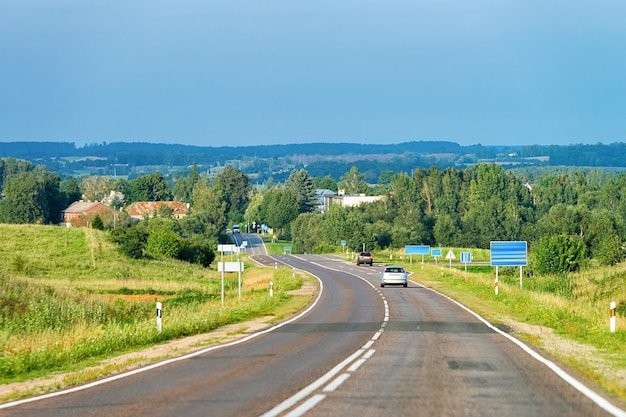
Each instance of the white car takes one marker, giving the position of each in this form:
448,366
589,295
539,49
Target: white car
394,274
236,228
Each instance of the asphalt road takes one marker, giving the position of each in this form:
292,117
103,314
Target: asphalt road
360,351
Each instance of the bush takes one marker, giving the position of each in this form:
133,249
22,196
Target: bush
609,251
163,242
559,254
196,253
97,223
132,241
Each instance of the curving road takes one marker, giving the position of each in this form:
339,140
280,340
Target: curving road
360,351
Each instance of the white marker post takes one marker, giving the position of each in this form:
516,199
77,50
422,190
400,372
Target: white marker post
271,289
159,315
496,282
612,321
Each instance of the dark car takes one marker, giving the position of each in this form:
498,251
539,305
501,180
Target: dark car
364,258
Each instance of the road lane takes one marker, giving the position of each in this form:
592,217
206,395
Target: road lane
246,379
434,358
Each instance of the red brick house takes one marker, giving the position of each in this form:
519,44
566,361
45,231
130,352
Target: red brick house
81,213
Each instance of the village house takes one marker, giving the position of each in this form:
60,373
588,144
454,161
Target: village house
81,213
146,209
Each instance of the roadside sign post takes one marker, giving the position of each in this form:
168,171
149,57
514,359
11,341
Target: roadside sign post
435,253
416,250
222,249
450,256
232,267
466,257
513,253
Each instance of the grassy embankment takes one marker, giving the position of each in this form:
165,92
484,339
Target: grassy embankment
574,307
69,300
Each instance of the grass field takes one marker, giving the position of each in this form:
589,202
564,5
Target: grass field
68,299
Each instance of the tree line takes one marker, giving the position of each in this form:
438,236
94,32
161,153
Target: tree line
568,217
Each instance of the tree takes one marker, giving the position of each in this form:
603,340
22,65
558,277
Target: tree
24,200
353,182
335,225
326,182
279,208
184,186
70,190
97,223
96,188
306,232
301,185
408,227
236,189
210,202
151,187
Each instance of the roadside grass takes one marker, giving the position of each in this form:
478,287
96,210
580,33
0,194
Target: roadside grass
69,300
575,307
277,247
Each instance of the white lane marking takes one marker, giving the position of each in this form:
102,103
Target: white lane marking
336,382
306,406
579,386
376,336
168,361
305,392
356,365
369,353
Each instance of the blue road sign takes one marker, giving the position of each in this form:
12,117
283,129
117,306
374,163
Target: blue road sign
435,252
509,253
417,249
343,243
466,257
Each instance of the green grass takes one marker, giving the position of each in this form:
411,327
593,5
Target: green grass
68,299
277,247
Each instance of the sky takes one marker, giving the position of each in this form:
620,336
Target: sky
250,72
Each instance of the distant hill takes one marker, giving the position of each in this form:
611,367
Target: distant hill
263,161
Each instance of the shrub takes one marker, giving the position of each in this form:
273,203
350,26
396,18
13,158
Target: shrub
196,253
97,223
132,241
164,242
559,254
609,251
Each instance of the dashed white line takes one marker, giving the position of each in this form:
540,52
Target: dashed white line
306,406
335,384
356,365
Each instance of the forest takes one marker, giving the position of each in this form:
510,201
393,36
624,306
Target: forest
275,162
570,218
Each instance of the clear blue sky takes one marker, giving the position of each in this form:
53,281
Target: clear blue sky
242,72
